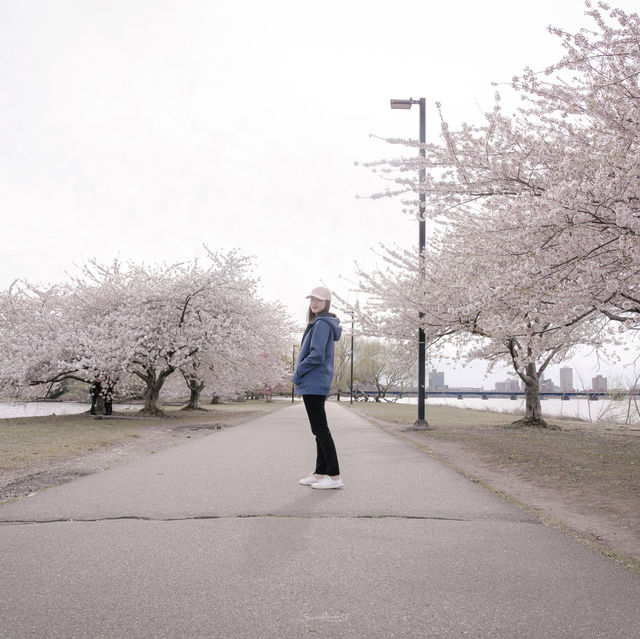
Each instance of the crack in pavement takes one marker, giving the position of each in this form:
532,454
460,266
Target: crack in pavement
18,522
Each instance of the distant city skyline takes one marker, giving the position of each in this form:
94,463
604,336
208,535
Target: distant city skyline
599,383
617,365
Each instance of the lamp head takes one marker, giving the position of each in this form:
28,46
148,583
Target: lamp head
403,104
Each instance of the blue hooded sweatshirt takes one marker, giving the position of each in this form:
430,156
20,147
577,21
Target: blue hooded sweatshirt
314,370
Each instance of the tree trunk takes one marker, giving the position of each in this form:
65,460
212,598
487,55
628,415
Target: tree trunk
151,397
533,406
194,399
195,388
99,407
152,393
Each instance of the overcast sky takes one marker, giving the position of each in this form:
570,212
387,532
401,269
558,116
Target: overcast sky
141,129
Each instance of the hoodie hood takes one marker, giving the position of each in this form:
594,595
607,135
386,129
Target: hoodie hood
314,370
334,322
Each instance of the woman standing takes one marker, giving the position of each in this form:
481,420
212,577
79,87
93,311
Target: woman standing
312,379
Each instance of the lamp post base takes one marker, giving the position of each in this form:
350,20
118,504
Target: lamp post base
421,424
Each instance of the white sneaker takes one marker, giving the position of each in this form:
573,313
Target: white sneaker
312,479
327,482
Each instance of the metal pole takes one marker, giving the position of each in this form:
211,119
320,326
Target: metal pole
351,385
293,368
421,422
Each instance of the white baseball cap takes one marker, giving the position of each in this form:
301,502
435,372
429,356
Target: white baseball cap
321,293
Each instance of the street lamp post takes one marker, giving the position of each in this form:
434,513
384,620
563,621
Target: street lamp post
351,382
421,422
293,368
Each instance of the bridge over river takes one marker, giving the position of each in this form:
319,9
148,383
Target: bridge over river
484,394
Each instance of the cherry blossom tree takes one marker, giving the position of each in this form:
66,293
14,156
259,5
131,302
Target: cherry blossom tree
539,211
591,100
245,342
196,320
571,152
467,298
42,343
112,322
30,321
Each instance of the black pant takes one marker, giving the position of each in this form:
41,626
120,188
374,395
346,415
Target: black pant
327,458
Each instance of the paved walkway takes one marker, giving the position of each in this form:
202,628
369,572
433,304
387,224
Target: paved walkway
215,538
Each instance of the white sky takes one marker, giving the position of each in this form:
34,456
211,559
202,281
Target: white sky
140,129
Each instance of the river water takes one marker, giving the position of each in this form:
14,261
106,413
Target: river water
602,410
41,409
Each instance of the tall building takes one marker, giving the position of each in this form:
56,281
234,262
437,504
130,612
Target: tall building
566,379
599,384
436,380
547,386
509,386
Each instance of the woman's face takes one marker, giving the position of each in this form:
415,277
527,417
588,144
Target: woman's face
316,305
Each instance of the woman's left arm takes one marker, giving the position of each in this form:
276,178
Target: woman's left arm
317,349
